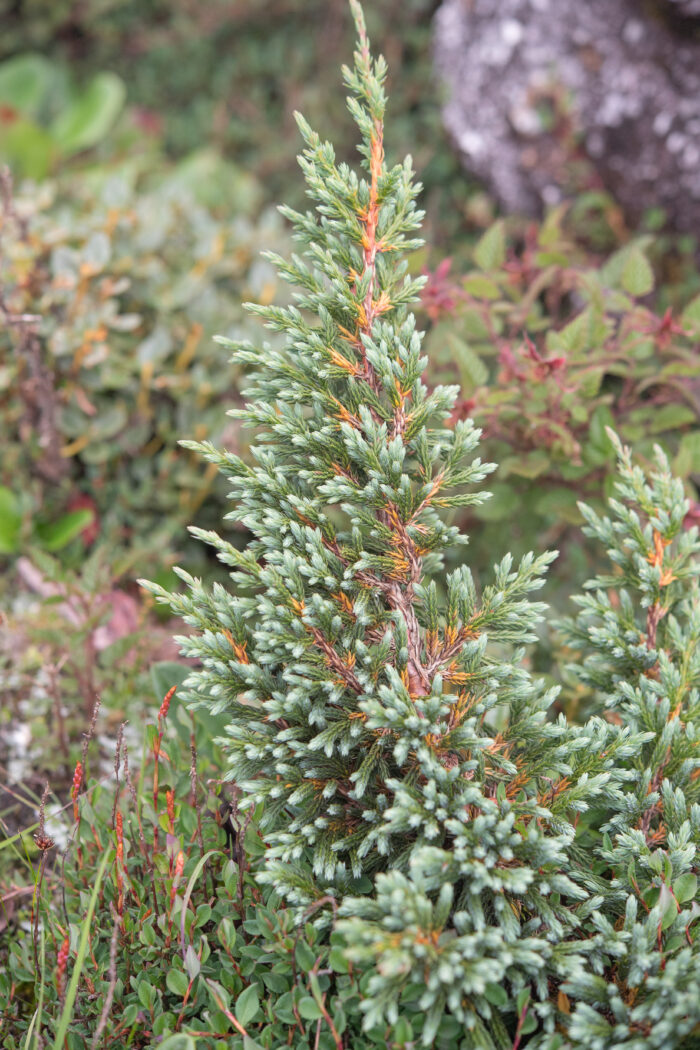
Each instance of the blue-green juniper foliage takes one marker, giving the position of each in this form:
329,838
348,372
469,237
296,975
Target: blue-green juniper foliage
506,878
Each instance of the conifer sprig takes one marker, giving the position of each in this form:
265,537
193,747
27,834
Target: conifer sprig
337,601
385,730
351,682
638,634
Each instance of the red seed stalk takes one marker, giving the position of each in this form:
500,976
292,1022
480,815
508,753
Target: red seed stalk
75,790
162,713
61,963
166,704
170,802
120,864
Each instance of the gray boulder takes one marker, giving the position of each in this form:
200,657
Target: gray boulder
632,84
684,8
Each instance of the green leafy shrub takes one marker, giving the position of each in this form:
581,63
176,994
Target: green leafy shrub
502,876
46,119
113,284
150,929
224,73
551,346
72,638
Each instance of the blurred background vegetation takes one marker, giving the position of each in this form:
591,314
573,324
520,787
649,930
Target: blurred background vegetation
144,145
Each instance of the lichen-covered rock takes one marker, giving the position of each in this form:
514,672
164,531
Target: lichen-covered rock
628,79
685,8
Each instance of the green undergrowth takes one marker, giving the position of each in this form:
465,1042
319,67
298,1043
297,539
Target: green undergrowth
135,918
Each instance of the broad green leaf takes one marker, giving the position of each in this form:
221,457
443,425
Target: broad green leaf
559,503
178,1041
57,534
690,318
227,933
403,1032
522,1000
481,287
528,465
25,82
640,349
574,336
275,982
156,347
165,675
27,148
667,417
86,121
496,994
687,460
146,993
589,385
504,503
304,956
670,912
611,274
601,419
252,843
473,327
474,372
637,274
490,251
129,1016
685,887
247,1005
219,994
110,422
283,1008
337,960
529,1024
544,259
177,982
192,963
309,1009
550,231
10,521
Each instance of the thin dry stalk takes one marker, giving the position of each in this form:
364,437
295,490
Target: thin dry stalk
148,861
162,715
300,928
117,761
87,737
44,843
78,782
197,807
55,694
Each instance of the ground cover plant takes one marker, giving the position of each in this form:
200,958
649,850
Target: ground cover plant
225,72
113,285
585,342
413,850
113,280
148,928
46,119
